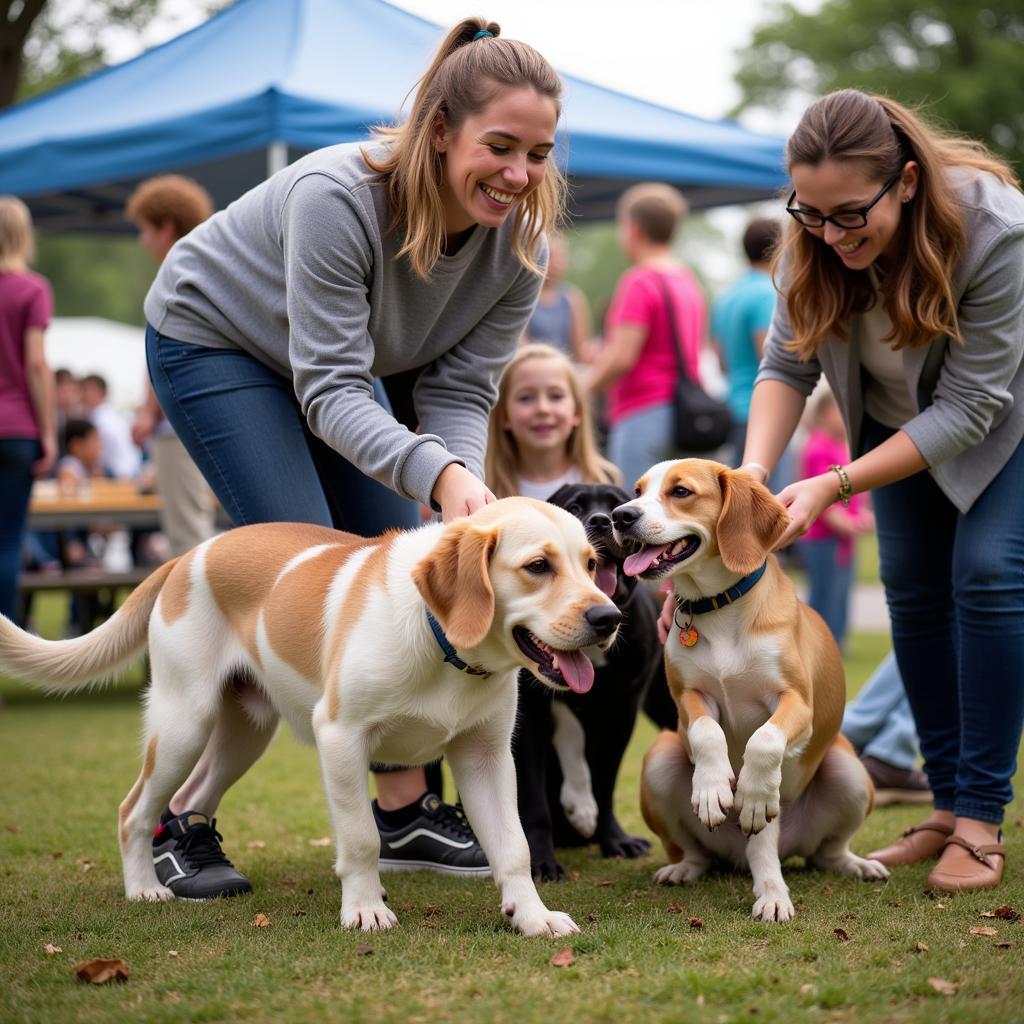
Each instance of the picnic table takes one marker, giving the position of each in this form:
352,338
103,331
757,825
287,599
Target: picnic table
110,502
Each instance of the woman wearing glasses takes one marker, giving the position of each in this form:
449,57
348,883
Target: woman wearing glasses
902,280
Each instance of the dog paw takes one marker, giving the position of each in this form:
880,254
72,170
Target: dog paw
543,922
757,802
151,894
625,845
580,808
547,871
368,917
681,873
852,866
774,905
711,797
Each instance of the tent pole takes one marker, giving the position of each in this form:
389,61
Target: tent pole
277,157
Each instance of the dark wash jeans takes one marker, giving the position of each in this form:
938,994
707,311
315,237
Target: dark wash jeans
241,423
955,588
17,455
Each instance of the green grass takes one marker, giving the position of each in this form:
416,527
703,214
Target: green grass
69,762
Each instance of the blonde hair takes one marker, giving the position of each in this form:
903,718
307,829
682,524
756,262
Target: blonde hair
170,197
465,76
17,240
502,460
882,136
657,209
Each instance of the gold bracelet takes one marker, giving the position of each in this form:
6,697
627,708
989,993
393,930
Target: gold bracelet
845,490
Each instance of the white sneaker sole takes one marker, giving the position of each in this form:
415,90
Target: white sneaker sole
428,865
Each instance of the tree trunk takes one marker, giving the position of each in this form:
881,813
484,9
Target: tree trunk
13,34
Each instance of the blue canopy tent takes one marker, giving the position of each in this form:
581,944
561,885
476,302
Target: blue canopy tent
263,82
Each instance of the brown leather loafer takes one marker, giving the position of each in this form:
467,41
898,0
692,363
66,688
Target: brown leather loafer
919,843
964,866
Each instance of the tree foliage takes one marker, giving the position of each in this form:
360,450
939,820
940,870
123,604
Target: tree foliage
961,61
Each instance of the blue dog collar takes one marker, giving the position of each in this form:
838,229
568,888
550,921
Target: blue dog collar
712,604
449,652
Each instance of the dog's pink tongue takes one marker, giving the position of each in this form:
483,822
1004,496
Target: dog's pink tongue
642,560
607,577
577,670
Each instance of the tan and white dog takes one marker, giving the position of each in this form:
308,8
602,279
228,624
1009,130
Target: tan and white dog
330,632
758,770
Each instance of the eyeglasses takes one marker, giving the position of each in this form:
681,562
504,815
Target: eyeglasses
846,219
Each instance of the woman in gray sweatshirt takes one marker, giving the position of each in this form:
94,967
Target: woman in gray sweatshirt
902,280
408,265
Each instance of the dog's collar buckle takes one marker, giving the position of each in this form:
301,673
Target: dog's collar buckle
450,654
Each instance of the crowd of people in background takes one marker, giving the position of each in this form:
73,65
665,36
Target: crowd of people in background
224,357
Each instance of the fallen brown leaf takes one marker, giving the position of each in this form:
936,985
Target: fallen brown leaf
806,987
322,841
574,876
603,882
13,829
431,909
940,906
55,855
99,972
363,949
893,903
51,949
408,906
696,922
985,933
85,863
675,908
923,947
592,917
1002,945
1019,822
828,890
941,985
841,934
172,952
298,913
563,958
256,844
1004,914
261,921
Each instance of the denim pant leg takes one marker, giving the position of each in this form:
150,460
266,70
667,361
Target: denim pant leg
879,722
17,454
988,595
242,425
641,440
955,587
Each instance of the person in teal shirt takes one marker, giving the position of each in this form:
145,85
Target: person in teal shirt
739,322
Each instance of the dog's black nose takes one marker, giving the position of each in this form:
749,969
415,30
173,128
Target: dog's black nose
600,521
625,516
604,618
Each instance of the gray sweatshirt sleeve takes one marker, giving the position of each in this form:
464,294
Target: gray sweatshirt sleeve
455,394
973,389
328,266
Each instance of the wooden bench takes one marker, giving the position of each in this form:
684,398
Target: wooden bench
81,581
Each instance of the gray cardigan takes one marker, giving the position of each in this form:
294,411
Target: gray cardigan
969,397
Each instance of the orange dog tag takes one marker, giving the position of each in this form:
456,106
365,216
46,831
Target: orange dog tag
689,636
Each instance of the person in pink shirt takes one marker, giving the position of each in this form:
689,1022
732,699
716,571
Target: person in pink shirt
28,433
828,546
636,365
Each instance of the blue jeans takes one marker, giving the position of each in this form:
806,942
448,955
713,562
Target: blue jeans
955,588
879,722
829,583
17,454
243,427
640,440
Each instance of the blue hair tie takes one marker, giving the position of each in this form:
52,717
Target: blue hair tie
480,35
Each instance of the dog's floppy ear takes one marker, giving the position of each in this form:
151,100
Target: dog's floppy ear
454,580
750,523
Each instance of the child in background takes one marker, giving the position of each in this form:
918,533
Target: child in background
540,434
828,545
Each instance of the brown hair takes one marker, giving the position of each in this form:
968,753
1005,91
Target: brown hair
502,459
760,239
17,240
170,197
655,208
882,135
463,79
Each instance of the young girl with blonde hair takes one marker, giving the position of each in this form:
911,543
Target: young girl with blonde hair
416,258
902,280
541,431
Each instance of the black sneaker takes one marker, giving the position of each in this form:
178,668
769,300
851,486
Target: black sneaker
895,785
438,838
189,861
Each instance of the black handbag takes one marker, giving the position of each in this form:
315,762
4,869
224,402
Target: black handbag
702,423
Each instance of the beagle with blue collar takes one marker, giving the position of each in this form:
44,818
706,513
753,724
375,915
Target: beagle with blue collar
358,644
758,770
